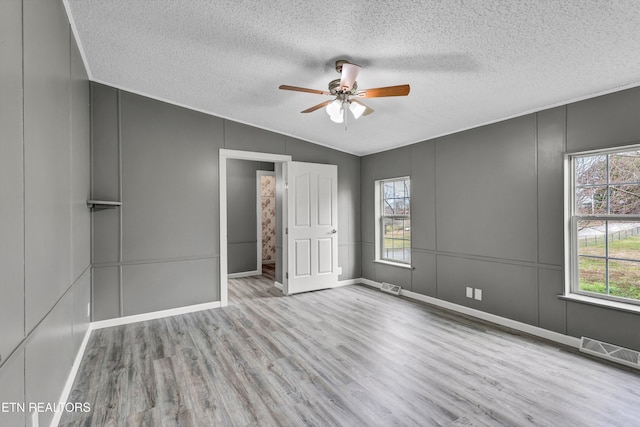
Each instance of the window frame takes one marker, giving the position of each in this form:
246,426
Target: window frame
572,255
379,222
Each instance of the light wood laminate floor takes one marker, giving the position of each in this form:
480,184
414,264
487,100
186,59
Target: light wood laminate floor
350,356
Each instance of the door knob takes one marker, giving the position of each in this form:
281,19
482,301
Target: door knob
334,231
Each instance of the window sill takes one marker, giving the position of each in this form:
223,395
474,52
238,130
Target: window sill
394,264
614,305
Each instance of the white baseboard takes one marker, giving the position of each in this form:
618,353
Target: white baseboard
371,283
478,314
347,282
278,285
153,315
71,378
244,274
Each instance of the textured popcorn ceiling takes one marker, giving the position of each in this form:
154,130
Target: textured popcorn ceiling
468,62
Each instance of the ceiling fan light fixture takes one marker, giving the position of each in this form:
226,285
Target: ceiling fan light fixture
338,118
334,107
335,111
357,109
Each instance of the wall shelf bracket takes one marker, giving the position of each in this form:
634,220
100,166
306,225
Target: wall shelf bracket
102,204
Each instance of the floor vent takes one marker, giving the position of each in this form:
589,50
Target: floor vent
610,352
389,288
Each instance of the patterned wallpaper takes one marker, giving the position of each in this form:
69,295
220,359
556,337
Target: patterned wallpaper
268,194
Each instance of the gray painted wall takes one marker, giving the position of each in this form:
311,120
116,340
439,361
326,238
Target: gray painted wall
487,212
159,250
241,214
44,220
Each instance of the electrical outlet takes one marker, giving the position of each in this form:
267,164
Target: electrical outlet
469,292
88,309
478,294
339,271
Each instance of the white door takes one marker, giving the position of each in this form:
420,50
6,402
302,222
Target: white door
311,226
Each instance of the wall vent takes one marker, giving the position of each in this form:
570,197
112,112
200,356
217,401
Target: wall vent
610,352
391,289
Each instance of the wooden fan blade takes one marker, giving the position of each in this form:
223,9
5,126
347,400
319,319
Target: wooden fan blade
401,90
304,89
317,107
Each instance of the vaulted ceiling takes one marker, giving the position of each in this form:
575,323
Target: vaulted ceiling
469,62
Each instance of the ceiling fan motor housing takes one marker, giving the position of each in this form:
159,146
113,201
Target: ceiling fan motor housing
335,89
339,64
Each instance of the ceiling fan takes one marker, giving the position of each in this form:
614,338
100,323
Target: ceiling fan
346,93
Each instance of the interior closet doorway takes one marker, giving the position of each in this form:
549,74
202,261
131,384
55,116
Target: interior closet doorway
245,215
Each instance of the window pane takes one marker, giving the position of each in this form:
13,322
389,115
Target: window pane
391,241
591,238
624,279
591,169
399,189
624,199
592,274
397,242
624,167
591,200
624,240
407,230
406,246
387,199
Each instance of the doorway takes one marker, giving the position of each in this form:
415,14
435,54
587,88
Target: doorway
308,223
225,155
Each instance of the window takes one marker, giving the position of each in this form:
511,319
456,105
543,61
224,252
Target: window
605,224
394,228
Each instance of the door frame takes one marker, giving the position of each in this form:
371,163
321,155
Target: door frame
223,155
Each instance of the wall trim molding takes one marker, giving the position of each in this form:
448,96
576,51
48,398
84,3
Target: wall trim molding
278,285
152,261
152,315
476,257
482,315
348,282
244,274
71,378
